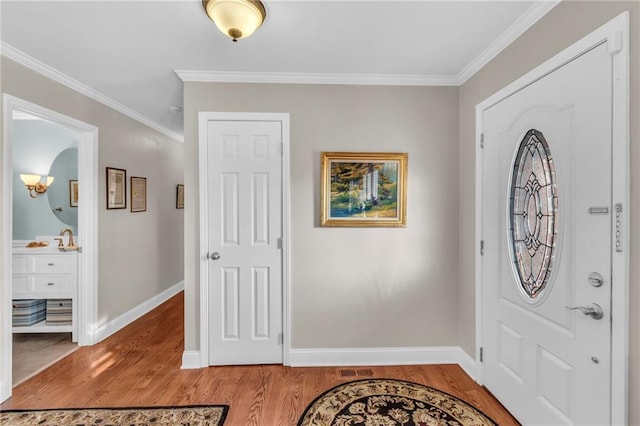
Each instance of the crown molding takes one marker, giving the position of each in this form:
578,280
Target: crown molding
316,78
52,73
530,17
515,30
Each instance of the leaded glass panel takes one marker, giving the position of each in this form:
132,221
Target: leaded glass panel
533,213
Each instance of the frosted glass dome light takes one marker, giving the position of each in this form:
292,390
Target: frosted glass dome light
236,18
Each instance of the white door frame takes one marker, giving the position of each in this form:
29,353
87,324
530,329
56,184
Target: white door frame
203,119
87,227
616,34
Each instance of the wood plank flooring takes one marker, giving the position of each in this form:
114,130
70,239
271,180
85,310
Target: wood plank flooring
140,366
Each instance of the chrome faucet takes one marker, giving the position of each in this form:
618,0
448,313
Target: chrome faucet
71,243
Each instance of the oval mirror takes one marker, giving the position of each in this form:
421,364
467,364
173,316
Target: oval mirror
64,169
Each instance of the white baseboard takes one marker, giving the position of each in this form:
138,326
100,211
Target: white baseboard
468,364
190,360
342,357
128,317
375,356
5,392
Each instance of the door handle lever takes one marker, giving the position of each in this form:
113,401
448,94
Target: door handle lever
594,310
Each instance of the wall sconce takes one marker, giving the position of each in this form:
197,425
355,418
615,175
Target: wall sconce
236,18
33,184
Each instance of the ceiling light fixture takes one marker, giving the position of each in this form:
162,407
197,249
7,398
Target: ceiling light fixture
236,18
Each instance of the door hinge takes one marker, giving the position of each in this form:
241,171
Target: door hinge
481,354
614,43
280,338
482,248
279,243
481,140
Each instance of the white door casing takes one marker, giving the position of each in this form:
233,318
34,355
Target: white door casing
244,182
547,364
87,227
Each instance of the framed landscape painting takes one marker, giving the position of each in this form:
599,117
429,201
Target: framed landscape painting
363,189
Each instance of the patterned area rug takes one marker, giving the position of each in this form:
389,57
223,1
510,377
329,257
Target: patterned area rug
194,415
386,402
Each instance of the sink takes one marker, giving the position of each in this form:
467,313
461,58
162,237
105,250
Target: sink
35,250
51,249
19,246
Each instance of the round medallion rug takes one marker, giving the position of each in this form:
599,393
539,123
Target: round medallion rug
386,402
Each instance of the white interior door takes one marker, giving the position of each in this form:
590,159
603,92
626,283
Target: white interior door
244,189
546,226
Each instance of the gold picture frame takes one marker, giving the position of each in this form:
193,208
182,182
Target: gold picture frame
138,189
116,188
363,189
73,193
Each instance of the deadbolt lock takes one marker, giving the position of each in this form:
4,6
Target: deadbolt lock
595,279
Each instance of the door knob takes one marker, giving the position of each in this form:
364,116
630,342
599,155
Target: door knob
594,310
214,256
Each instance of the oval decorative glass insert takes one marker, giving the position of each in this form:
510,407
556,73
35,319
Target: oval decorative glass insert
533,214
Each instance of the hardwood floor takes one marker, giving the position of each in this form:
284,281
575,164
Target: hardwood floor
140,366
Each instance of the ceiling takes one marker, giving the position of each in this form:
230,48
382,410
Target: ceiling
125,53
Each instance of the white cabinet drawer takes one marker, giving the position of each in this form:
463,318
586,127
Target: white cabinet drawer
52,284
52,265
44,264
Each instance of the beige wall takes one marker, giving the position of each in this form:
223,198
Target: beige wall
565,24
353,288
140,254
350,287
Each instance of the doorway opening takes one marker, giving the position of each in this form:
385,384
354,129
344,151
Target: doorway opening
72,275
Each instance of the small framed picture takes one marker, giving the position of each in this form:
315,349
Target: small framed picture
138,190
116,188
73,193
180,196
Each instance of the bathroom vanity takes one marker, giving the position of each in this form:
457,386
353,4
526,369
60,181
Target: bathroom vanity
46,273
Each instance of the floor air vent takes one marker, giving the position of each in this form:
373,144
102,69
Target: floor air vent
354,373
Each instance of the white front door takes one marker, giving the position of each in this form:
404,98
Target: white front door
244,163
546,226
